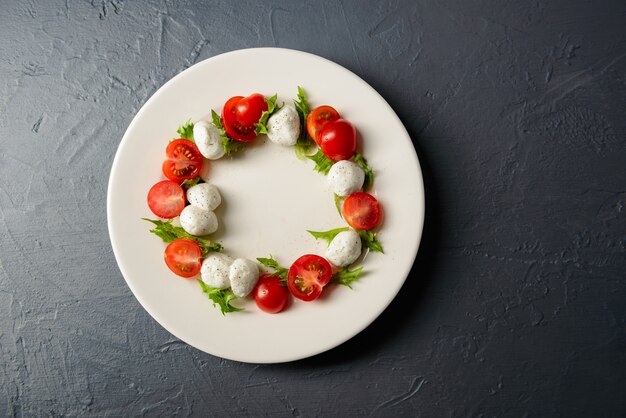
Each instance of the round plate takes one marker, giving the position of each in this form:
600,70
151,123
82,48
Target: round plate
270,198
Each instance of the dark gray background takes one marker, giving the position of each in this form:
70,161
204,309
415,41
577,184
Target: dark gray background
516,305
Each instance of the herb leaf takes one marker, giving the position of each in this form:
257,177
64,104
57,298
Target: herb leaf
370,241
189,183
279,271
338,203
322,162
230,146
304,145
168,233
346,277
328,235
217,120
302,105
222,297
261,125
186,130
369,174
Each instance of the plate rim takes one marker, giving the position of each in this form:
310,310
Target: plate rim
355,330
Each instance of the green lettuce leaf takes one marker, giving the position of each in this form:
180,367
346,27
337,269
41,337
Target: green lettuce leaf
322,162
305,145
346,277
189,183
369,174
328,235
168,233
221,297
186,130
261,126
338,200
370,241
279,271
230,146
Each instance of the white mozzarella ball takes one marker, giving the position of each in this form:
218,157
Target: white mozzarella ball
197,221
344,249
283,127
205,196
215,270
208,140
243,276
345,177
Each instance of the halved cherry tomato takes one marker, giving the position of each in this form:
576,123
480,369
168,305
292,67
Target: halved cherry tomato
182,160
270,295
166,199
337,139
318,118
240,115
184,257
361,210
307,276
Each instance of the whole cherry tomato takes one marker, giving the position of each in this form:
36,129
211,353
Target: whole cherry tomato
337,140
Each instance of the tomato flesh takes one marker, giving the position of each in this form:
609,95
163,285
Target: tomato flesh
184,257
337,139
182,160
307,277
318,118
241,114
361,210
270,295
166,199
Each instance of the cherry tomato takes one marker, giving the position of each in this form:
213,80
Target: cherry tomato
337,139
307,276
240,115
166,199
184,257
249,109
361,210
182,160
318,118
270,296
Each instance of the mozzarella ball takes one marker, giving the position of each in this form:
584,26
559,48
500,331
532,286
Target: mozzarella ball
345,177
204,195
208,140
344,249
283,127
243,276
197,221
216,269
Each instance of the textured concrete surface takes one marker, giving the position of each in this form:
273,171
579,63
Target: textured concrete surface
516,305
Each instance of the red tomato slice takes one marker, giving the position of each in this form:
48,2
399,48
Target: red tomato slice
307,277
337,139
240,115
166,199
318,118
361,210
182,160
270,295
184,257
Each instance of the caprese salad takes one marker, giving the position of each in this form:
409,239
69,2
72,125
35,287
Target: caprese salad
185,202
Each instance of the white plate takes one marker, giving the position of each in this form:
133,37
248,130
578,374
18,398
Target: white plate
270,199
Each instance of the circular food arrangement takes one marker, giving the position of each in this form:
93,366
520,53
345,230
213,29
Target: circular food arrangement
185,203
